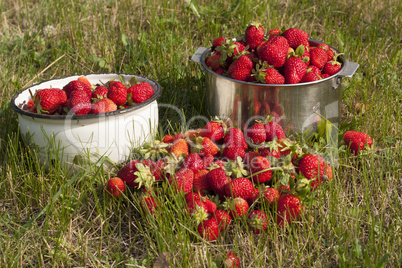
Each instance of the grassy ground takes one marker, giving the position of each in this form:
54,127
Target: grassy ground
357,217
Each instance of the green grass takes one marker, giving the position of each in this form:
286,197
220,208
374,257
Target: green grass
357,217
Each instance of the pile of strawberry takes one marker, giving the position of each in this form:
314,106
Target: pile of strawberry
223,172
80,97
279,57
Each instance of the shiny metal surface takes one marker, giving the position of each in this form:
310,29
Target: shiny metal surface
297,107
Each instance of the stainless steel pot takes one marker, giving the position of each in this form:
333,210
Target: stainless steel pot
297,107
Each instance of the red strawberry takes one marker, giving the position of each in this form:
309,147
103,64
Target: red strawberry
117,92
210,205
254,196
135,174
274,51
167,139
140,92
274,130
99,92
288,209
194,162
79,102
296,37
195,206
179,147
256,133
223,218
217,180
156,168
318,57
214,130
312,167
314,69
327,48
240,187
257,167
200,183
115,186
192,196
268,151
126,173
49,100
229,50
254,35
275,32
240,69
148,203
271,195
214,62
221,71
170,139
77,85
237,207
231,261
268,75
204,146
209,229
257,220
310,77
218,42
327,174
231,151
183,180
294,70
332,67
103,106
357,141
208,160
305,56
249,157
235,136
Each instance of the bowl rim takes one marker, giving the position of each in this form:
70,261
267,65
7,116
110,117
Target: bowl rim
155,96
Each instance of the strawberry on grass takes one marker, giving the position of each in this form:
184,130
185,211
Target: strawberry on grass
223,218
237,207
357,141
239,187
115,186
289,209
259,169
231,261
214,129
209,229
182,180
257,221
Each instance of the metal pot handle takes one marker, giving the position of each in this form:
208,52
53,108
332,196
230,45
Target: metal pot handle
198,54
349,70
197,57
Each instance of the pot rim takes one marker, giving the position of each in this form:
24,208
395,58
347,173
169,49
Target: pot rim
155,96
343,60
